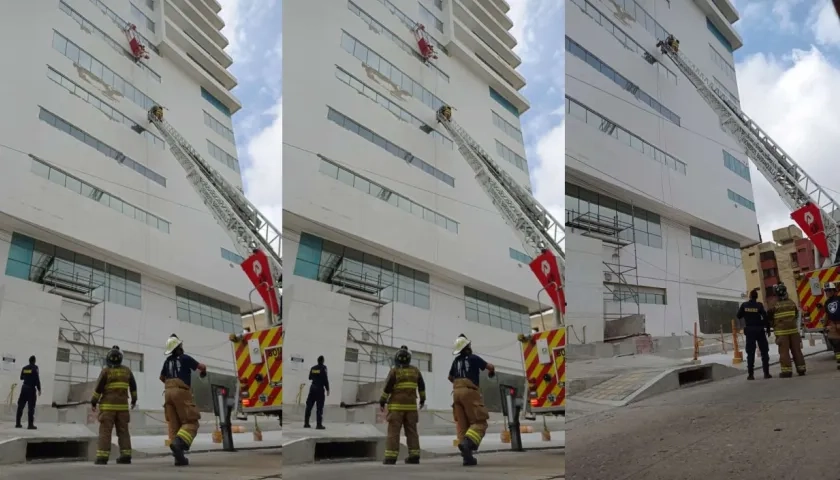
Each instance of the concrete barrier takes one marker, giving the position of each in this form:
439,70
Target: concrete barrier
50,442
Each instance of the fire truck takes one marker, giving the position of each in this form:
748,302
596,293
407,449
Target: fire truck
544,356
809,291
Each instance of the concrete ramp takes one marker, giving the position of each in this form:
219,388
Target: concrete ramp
339,442
51,442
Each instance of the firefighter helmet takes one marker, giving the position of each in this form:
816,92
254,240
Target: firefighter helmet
830,286
402,358
781,290
115,357
461,343
172,343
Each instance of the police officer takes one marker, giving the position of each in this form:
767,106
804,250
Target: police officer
756,329
832,314
467,404
111,395
403,384
784,317
320,384
29,392
179,408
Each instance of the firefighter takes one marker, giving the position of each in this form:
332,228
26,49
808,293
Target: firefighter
785,325
179,408
757,330
317,389
403,384
467,406
111,395
832,314
29,393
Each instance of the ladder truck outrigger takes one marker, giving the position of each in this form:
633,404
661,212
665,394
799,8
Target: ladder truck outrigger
258,355
543,352
813,209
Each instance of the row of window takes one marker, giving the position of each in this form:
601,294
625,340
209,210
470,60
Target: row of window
732,97
91,141
353,126
740,200
642,17
511,156
98,356
732,163
722,63
377,27
89,27
215,102
717,34
100,71
382,355
504,102
44,263
217,127
119,22
140,18
708,246
490,310
209,313
102,106
411,23
575,49
222,156
384,102
429,18
519,256
80,187
369,187
578,110
507,127
624,39
643,295
389,71
231,257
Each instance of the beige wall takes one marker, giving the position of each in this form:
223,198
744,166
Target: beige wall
783,246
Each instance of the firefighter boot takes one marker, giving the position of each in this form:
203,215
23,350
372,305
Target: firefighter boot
101,461
467,447
124,460
412,460
389,461
178,446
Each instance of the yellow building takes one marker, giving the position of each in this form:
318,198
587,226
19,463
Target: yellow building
780,261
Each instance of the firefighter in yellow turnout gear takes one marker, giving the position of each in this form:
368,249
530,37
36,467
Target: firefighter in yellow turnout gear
467,404
784,318
181,413
111,397
403,384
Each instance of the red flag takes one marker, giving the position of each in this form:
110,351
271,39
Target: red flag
548,273
258,271
809,219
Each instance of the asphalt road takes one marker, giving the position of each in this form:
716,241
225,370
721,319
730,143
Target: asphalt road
772,429
532,465
243,465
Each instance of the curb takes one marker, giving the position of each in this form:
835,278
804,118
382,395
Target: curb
208,450
499,450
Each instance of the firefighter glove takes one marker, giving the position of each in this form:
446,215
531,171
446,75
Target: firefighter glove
768,333
422,403
382,404
203,374
93,405
133,403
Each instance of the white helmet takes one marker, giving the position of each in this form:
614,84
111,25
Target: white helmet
172,343
830,286
461,343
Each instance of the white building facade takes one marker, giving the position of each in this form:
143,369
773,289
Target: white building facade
102,239
658,196
388,238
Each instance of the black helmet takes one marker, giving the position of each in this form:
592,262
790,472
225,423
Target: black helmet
781,290
115,357
402,358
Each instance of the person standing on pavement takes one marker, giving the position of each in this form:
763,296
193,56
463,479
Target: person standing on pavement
784,318
757,330
402,386
29,393
317,389
179,407
111,394
467,404
832,316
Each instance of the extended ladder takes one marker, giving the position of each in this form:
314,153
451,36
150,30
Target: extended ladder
247,226
790,181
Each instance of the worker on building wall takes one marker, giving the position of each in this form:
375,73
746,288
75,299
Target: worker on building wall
402,386
757,330
832,319
319,389
29,393
179,408
111,394
467,404
784,318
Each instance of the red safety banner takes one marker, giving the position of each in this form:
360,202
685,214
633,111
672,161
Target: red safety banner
259,272
548,273
809,219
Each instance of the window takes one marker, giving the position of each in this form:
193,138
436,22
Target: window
217,127
719,36
372,188
633,224
62,355
716,315
410,23
102,73
118,46
222,156
742,201
382,355
519,256
769,272
377,27
60,124
119,22
511,156
150,4
231,257
351,355
727,93
201,310
503,102
506,127
141,19
396,77
439,4
625,40
732,163
392,107
80,187
708,246
722,63
97,356
575,49
328,262
498,313
41,262
643,18
429,18
585,114
394,150
636,294
215,102
102,106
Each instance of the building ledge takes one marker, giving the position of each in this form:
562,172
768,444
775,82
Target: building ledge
209,48
479,51
718,20
728,10
201,20
488,21
212,4
497,13
211,14
501,5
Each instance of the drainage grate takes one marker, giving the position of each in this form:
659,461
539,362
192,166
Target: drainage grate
695,376
359,450
64,450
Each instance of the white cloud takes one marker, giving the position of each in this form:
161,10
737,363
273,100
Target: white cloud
528,16
263,177
549,176
240,35
824,24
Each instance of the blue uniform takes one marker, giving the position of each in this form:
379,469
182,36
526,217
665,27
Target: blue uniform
180,367
320,385
468,367
29,391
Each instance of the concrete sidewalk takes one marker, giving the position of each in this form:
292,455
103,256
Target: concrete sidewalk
441,445
726,358
154,445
